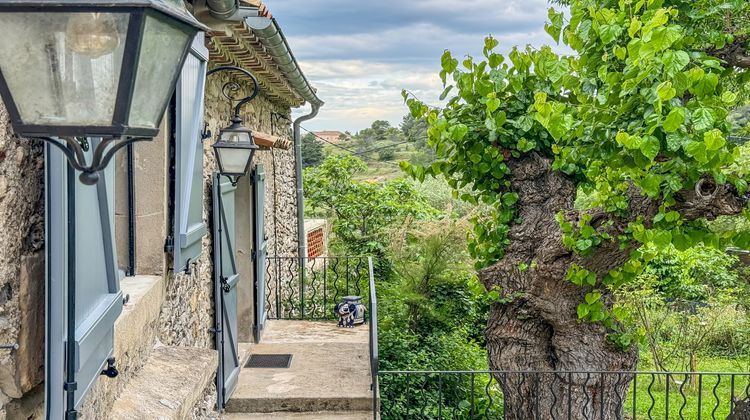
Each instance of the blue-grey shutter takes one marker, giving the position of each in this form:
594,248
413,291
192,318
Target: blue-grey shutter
226,278
81,252
189,228
260,245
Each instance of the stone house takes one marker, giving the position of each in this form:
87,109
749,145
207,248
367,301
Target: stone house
334,137
169,311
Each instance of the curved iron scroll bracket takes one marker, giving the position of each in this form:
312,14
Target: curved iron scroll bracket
243,101
74,151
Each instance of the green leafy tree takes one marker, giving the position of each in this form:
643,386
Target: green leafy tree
361,211
637,119
312,150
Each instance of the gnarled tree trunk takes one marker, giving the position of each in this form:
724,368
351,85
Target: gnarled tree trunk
539,330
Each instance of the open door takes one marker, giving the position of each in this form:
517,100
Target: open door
226,278
259,253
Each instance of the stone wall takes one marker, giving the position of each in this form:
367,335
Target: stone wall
187,315
21,267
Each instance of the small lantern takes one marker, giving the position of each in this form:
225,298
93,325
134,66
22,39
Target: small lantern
91,68
234,149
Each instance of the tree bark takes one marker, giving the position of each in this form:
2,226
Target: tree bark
734,54
539,330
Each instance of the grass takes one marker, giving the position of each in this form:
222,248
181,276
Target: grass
694,392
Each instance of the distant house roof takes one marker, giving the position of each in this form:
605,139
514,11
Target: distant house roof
329,133
264,51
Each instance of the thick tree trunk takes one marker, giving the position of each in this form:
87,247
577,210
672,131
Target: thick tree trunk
539,329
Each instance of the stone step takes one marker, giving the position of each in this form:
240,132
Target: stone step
135,334
168,386
136,328
317,415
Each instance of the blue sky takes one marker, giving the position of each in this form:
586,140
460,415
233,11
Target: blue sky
359,54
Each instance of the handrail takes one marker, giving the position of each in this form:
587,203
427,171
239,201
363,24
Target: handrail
373,340
562,395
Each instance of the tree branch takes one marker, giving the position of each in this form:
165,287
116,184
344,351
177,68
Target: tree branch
734,54
709,200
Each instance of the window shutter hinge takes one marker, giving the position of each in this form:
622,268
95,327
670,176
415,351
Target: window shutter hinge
169,244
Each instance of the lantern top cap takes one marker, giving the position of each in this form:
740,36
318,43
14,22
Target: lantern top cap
236,127
173,8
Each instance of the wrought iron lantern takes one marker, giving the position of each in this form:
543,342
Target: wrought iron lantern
234,147
91,68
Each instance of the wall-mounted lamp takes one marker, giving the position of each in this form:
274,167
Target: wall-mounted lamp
91,68
234,147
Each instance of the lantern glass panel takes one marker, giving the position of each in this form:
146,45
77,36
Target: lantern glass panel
63,68
233,160
236,137
162,51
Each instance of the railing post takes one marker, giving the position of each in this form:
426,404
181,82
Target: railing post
374,369
302,286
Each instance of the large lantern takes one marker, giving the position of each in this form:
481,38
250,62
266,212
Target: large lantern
91,68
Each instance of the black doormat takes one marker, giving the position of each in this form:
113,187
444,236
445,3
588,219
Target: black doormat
269,361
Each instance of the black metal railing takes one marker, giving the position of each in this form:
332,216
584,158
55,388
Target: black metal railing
374,359
309,288
560,395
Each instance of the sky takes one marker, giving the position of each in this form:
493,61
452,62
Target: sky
360,54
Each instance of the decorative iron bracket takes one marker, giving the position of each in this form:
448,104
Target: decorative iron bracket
233,86
74,148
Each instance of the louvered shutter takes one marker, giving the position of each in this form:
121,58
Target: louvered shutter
81,253
189,227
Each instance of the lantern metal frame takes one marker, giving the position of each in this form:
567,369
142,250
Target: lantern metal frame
70,139
138,10
237,122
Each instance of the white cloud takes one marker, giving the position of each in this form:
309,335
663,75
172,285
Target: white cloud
360,55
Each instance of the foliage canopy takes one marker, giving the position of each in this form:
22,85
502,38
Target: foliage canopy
643,103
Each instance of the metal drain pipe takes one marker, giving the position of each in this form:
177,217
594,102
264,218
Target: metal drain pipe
301,239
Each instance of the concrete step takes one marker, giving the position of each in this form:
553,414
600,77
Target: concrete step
168,386
317,415
329,372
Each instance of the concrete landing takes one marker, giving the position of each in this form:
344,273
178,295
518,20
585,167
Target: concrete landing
329,372
315,415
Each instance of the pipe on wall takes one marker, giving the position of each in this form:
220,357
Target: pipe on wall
301,239
222,9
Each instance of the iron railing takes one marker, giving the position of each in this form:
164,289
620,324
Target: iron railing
560,395
374,358
309,288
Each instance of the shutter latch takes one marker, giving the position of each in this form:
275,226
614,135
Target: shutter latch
111,371
225,285
206,133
